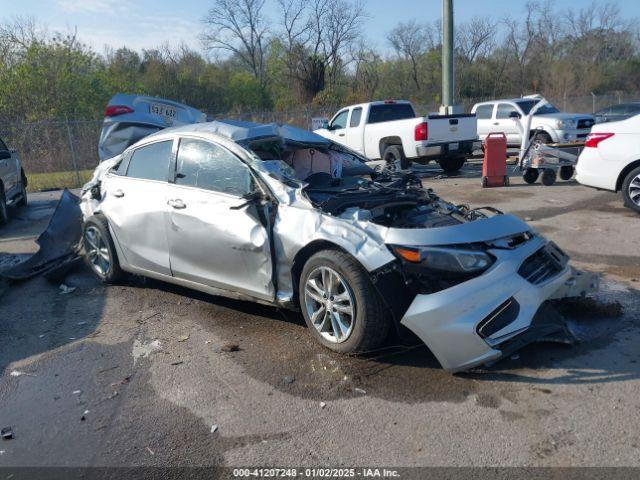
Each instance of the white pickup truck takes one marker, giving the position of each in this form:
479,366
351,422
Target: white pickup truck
391,131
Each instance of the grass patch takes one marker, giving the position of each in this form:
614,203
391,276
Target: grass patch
57,180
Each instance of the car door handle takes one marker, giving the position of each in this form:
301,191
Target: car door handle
496,123
118,194
341,134
177,204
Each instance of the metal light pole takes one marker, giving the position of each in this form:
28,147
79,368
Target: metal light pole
448,71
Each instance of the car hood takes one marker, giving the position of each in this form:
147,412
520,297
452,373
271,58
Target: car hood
563,116
477,231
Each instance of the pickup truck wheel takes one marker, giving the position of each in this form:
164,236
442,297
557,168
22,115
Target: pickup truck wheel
395,158
543,137
631,190
4,211
452,165
340,305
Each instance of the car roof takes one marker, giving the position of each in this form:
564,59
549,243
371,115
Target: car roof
243,132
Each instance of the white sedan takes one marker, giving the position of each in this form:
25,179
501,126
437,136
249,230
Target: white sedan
611,160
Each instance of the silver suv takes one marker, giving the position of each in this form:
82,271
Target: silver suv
13,182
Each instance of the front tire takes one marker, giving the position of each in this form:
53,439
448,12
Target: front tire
395,158
543,137
100,252
340,305
4,211
631,190
452,165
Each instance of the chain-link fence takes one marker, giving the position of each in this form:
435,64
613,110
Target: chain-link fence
63,153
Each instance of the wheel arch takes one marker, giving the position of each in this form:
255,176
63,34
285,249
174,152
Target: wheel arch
625,171
388,141
305,253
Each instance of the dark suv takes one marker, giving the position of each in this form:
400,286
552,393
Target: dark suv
13,182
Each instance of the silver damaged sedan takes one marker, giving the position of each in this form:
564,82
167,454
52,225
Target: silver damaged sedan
281,216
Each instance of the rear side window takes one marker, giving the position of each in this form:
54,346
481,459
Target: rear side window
356,115
484,112
206,165
390,112
151,162
504,110
619,109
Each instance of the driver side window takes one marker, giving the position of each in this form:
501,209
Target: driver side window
205,165
340,120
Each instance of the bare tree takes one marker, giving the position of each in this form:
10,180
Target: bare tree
410,41
520,39
476,38
317,35
238,26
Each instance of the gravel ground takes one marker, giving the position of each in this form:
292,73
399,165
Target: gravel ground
139,373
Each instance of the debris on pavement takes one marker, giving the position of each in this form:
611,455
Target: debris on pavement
214,428
17,373
143,350
150,451
228,347
77,392
6,433
288,380
323,404
360,391
177,362
183,338
64,289
589,307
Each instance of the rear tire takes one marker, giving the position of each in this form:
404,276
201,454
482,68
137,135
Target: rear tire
631,190
452,165
4,211
368,324
100,253
23,191
395,158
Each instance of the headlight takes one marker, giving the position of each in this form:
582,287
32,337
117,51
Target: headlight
565,124
445,259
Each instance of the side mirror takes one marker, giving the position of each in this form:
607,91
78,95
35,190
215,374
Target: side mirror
5,155
325,125
515,115
249,198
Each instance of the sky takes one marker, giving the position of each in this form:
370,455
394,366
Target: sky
140,24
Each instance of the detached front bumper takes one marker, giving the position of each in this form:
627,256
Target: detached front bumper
448,322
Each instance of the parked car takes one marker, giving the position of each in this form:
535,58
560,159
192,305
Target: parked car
391,130
129,118
222,208
500,116
611,160
615,113
13,182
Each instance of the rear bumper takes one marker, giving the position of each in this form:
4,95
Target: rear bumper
431,151
447,321
593,171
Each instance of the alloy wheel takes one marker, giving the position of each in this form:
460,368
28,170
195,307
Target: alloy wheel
97,251
330,304
634,190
